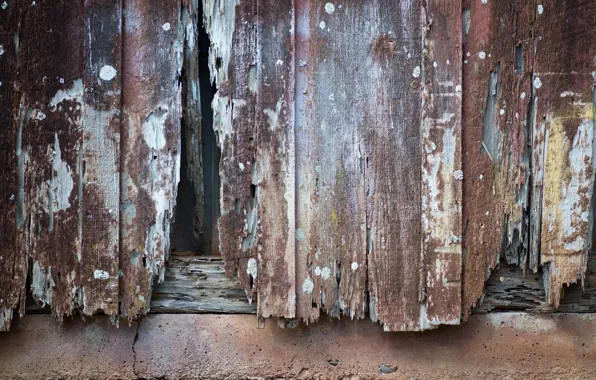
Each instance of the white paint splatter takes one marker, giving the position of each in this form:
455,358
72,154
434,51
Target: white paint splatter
416,72
154,129
4,5
73,93
481,55
481,177
458,88
325,273
332,97
61,81
448,62
107,73
1,50
540,9
166,26
301,63
241,166
501,112
458,175
537,82
465,61
322,25
484,2
522,95
317,271
300,234
99,274
279,62
565,94
308,286
329,8
355,266
251,268
39,115
468,54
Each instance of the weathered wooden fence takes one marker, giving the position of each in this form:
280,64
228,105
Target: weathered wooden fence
378,158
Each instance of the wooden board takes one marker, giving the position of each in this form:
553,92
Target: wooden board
153,39
232,63
498,57
354,182
442,173
273,170
563,85
331,63
13,262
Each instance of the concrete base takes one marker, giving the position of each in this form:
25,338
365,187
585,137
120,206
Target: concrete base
492,346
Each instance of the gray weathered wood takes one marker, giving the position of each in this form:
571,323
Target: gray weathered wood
198,284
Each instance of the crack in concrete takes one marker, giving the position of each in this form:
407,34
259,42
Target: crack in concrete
134,352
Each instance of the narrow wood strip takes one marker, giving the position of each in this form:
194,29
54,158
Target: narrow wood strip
498,58
13,263
332,64
273,171
441,164
153,39
51,122
99,157
232,63
563,83
393,164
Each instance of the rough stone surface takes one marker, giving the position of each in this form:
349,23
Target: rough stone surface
494,346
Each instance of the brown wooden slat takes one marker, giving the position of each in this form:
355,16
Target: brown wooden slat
232,62
441,164
564,138
13,263
332,64
99,157
51,123
273,171
153,40
498,57
393,165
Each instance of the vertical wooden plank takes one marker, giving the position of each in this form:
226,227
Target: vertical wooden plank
393,165
441,164
51,122
563,82
232,63
333,95
153,40
273,171
99,158
498,57
192,116
13,263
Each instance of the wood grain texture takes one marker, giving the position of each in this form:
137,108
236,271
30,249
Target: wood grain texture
13,262
498,61
273,171
393,168
442,174
51,125
332,63
563,84
153,39
198,284
192,115
99,158
232,63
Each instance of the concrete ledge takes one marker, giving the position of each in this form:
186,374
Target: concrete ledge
492,346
